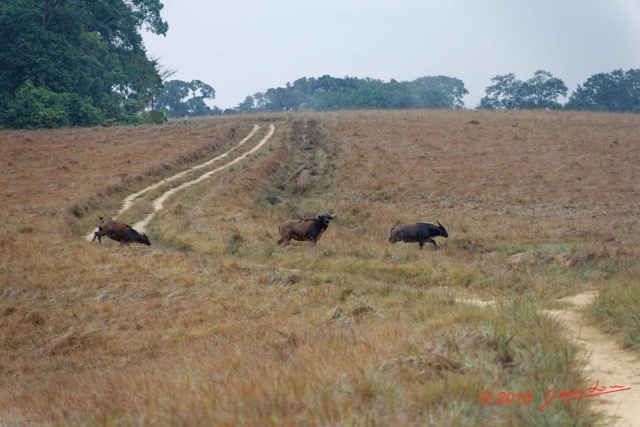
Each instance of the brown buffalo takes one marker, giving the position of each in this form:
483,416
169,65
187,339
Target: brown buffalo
304,229
419,232
119,232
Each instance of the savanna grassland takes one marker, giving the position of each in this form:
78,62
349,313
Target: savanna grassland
215,324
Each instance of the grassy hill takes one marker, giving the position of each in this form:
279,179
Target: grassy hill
215,324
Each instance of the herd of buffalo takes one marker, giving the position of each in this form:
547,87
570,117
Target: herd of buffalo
310,230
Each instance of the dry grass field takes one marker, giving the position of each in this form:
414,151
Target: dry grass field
215,324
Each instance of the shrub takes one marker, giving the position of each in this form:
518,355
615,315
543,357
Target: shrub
37,107
154,117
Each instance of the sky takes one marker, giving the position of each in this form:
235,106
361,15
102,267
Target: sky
241,47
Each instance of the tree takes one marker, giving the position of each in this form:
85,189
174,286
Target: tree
247,106
542,91
617,91
504,93
182,99
507,92
438,92
88,51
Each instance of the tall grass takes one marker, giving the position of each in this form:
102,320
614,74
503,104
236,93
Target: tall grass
217,324
617,307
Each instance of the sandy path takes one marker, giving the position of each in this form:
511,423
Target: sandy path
128,201
158,203
606,361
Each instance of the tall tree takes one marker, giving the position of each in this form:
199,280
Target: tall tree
185,99
438,92
507,92
543,90
89,50
504,93
617,91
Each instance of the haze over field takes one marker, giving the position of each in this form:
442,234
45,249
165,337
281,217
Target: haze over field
241,48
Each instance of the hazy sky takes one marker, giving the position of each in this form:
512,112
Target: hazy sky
241,47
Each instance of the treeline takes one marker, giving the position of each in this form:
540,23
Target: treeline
617,91
82,63
187,99
349,93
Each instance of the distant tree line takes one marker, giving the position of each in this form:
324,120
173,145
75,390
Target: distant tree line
617,91
349,93
507,92
82,63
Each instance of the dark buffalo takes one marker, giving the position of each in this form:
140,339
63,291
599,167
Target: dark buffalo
419,232
304,229
119,232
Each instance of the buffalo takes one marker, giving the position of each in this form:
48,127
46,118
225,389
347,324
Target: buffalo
420,232
304,229
119,232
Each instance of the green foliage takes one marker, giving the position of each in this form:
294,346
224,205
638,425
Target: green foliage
38,107
182,99
617,91
507,92
330,93
438,92
543,90
85,61
248,105
617,307
154,117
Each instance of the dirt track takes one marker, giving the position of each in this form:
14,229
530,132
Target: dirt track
128,201
158,203
606,362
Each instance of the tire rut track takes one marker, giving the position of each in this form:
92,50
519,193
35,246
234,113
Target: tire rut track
158,203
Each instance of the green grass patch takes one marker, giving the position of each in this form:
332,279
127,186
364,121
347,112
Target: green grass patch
617,307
